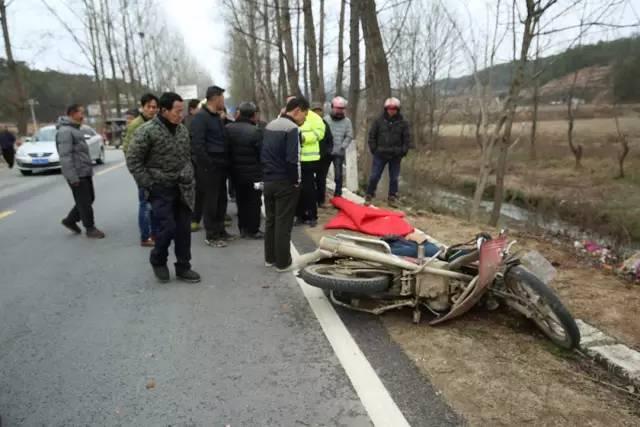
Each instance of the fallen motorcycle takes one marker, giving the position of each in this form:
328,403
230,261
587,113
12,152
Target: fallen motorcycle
362,274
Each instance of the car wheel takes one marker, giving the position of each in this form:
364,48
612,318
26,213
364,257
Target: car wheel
26,173
100,160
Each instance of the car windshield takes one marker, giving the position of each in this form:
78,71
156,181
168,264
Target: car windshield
45,134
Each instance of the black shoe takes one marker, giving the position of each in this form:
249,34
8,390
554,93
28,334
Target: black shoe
393,201
188,276
94,233
71,226
311,222
258,235
162,273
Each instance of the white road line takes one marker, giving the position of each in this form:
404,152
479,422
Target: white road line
374,396
4,214
114,167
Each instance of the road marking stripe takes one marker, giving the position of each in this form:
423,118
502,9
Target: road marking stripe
374,396
114,167
4,214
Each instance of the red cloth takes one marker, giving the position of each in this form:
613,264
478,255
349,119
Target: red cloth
368,220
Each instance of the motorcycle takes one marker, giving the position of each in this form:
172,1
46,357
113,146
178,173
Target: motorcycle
362,274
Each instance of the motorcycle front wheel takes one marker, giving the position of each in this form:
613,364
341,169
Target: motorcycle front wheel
545,308
332,277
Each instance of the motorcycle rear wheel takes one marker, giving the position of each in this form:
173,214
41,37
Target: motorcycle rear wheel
549,314
360,281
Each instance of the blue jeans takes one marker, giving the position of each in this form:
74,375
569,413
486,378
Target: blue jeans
377,168
146,221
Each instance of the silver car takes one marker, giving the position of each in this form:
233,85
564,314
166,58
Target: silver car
40,154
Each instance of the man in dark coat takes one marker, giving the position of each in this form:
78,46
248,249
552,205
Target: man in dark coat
210,152
389,141
7,142
245,143
160,161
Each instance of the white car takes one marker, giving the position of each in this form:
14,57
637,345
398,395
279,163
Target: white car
40,154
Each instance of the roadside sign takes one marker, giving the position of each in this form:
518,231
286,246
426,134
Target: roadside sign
187,91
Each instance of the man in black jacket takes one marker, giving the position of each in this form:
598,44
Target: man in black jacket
389,141
211,157
245,143
281,174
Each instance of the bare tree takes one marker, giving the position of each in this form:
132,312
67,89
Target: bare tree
572,106
624,143
354,62
20,101
311,57
376,65
340,71
321,53
289,58
533,155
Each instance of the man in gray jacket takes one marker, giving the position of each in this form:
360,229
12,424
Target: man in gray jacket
77,168
342,132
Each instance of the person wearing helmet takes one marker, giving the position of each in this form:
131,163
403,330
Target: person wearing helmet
245,143
342,131
389,141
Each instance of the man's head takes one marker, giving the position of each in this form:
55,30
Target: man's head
215,98
317,108
194,106
131,114
76,113
392,106
338,107
149,105
171,107
248,111
297,108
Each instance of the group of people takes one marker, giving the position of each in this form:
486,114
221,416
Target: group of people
184,165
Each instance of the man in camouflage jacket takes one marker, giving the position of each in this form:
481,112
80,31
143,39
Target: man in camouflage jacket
160,161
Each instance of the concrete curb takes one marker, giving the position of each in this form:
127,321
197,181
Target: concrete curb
606,350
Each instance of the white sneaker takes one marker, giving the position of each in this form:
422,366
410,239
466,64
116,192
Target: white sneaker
268,264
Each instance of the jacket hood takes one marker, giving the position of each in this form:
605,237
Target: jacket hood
66,121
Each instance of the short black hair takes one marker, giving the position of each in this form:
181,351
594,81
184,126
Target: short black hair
147,98
214,91
247,109
297,102
167,99
193,103
73,108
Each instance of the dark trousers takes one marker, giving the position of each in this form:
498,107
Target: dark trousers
83,195
280,200
321,179
249,201
214,182
9,155
199,204
338,174
174,223
308,203
377,168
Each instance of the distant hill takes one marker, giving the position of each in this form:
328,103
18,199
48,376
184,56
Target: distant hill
607,71
53,90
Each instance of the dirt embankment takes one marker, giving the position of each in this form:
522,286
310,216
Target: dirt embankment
496,369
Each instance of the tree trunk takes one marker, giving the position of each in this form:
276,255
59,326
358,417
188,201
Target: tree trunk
124,10
282,74
533,155
21,98
576,149
323,95
509,111
354,62
268,70
107,29
292,69
311,57
98,71
340,71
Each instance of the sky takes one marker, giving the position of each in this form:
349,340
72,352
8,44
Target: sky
39,39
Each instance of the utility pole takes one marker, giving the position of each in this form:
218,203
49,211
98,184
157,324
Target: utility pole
32,103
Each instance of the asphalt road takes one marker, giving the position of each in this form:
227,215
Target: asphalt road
88,337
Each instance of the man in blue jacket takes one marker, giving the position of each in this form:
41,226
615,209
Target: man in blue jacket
281,174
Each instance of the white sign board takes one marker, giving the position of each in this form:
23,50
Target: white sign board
187,91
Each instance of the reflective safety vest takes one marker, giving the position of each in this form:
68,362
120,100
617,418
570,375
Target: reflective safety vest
312,130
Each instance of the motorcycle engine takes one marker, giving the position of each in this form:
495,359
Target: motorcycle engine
435,289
